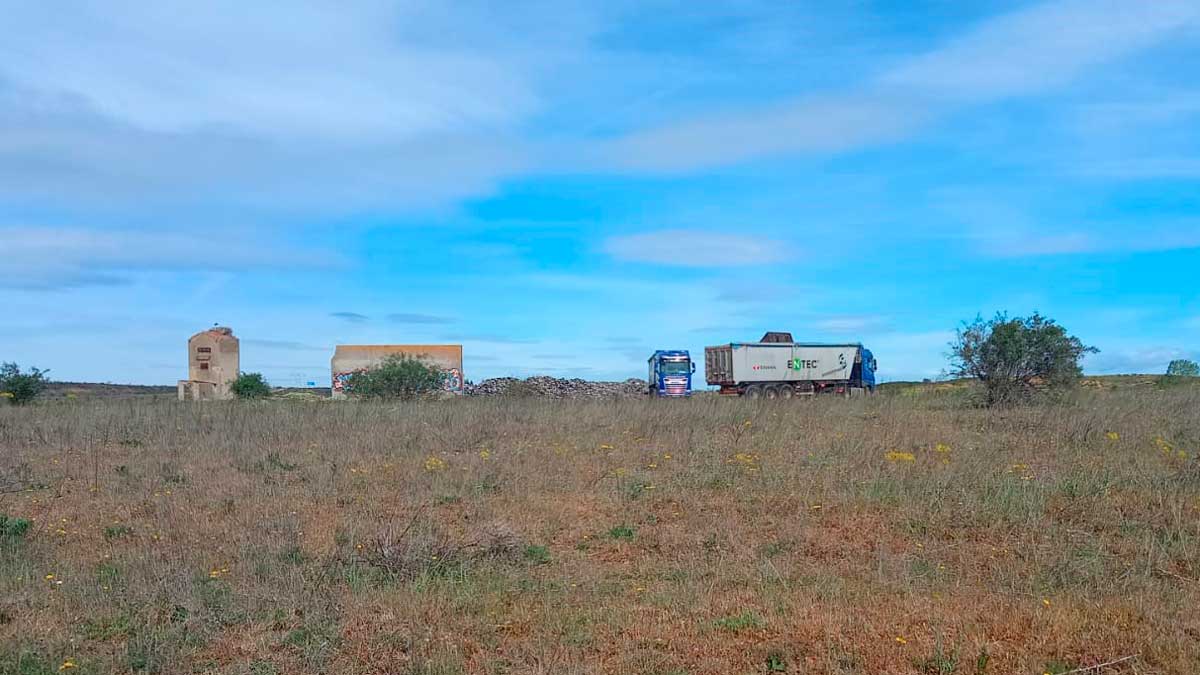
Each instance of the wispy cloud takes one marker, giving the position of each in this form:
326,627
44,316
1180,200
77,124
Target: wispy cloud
47,258
335,109
697,249
850,323
352,317
1147,360
288,345
443,85
1039,47
414,318
825,124
1017,54
491,338
1130,239
1141,168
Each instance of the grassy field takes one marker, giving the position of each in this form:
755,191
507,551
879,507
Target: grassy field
903,533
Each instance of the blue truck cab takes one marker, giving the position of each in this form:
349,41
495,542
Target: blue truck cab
863,374
670,373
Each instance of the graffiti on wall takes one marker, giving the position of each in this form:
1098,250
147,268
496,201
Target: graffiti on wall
341,378
452,381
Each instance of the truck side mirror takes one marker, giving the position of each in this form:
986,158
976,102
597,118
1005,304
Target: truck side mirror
693,367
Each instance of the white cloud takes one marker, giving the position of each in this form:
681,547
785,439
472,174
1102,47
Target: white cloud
850,323
318,106
817,124
63,257
316,70
1141,168
1043,46
1020,53
697,249
1144,360
1159,107
911,356
1101,239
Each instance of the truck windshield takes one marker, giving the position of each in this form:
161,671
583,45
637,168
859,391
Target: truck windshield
674,367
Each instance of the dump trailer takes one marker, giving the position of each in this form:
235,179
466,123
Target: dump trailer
778,367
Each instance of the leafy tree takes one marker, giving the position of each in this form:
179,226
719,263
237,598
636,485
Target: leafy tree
398,377
1183,368
1014,358
21,388
250,386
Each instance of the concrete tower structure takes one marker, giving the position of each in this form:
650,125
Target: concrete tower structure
213,365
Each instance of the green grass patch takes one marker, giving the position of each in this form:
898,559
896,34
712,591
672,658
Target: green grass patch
745,621
622,532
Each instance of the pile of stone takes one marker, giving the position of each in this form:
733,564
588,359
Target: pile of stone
554,387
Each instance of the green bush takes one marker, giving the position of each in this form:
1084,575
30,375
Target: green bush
1183,368
1180,372
1014,358
399,377
21,388
13,527
250,386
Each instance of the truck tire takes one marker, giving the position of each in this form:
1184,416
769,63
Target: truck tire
785,391
770,392
753,391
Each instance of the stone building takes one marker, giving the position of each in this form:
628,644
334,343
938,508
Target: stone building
213,365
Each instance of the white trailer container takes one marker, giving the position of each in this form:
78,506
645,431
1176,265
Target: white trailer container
782,369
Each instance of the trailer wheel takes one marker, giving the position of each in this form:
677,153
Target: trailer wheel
753,391
786,391
770,392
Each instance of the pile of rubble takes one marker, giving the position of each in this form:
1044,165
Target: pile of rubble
554,387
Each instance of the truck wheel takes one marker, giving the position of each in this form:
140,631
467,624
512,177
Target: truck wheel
770,392
785,392
753,391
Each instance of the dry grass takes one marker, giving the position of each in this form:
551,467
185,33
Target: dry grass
899,534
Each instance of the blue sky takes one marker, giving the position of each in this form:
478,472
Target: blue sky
565,186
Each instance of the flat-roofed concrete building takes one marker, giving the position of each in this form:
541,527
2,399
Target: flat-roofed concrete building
213,365
350,359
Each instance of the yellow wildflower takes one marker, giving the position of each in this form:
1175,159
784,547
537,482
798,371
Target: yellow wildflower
484,454
67,665
941,447
746,459
434,464
901,640
605,446
1112,436
898,456
1023,470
